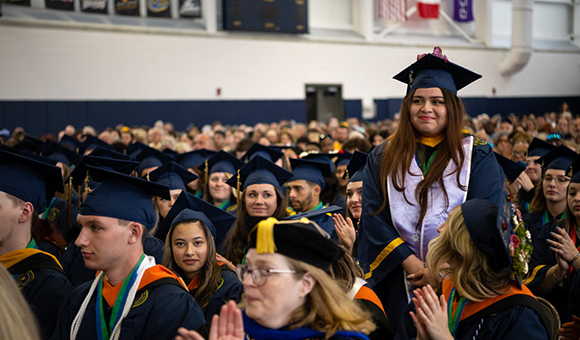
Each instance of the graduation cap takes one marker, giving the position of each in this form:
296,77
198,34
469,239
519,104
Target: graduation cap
559,159
489,236
150,158
91,143
574,171
435,70
302,240
194,158
59,153
186,207
170,152
309,170
268,153
133,149
122,196
222,162
70,142
260,171
539,147
30,143
107,153
342,158
313,214
357,162
322,157
510,168
29,180
172,176
80,174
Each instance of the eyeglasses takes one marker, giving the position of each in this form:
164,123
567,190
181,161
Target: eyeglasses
561,180
259,275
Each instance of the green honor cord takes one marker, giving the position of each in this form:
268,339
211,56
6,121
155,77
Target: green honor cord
104,330
454,317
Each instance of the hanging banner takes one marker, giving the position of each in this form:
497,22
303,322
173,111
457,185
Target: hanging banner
428,9
127,7
94,6
463,10
67,5
190,8
158,8
393,9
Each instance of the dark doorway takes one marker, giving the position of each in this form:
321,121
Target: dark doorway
324,102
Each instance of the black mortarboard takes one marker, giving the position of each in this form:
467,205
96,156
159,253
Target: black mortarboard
122,196
357,162
107,153
539,147
309,170
559,159
342,158
481,219
79,173
172,175
70,142
59,153
170,152
301,240
260,171
29,143
187,206
321,157
434,70
28,179
222,162
150,158
195,158
510,168
259,150
133,149
91,143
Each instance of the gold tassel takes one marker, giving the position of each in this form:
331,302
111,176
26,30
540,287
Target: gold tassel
148,178
287,194
87,189
265,238
69,191
347,176
205,172
238,188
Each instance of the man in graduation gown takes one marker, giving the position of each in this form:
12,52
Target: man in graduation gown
131,297
25,187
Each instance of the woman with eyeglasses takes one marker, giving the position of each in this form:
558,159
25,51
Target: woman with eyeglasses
413,180
549,203
288,291
189,230
554,260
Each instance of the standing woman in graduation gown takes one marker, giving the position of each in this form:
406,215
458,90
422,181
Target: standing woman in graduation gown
412,181
190,251
219,169
480,298
554,263
549,203
261,197
288,291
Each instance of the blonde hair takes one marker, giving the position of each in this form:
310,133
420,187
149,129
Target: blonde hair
327,308
16,318
472,274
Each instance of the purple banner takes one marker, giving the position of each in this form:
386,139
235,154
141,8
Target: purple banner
463,10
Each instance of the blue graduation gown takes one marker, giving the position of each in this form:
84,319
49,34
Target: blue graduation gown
229,288
541,261
44,286
74,265
379,243
156,314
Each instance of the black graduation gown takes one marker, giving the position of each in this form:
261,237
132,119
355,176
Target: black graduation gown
158,311
44,286
229,288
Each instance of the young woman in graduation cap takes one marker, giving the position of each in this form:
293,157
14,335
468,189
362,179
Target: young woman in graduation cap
288,292
477,261
190,251
554,264
427,167
218,170
260,182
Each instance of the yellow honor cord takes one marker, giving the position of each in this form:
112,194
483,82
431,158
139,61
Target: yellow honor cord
265,238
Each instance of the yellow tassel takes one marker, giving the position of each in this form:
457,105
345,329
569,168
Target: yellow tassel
205,172
347,176
238,188
265,238
148,178
69,192
87,189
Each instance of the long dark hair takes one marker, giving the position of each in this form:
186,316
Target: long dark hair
402,147
237,237
210,272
